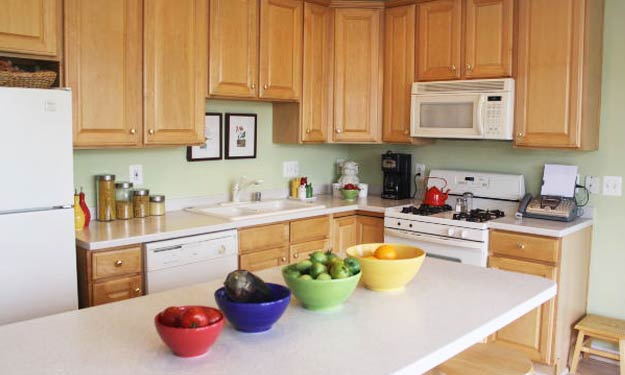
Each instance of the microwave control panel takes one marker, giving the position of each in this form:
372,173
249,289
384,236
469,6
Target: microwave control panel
494,116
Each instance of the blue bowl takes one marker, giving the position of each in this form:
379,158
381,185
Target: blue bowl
254,317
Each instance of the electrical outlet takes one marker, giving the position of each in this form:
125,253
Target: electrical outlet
290,169
592,184
612,185
419,169
135,174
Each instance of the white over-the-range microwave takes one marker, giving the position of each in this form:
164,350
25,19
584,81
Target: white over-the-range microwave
470,109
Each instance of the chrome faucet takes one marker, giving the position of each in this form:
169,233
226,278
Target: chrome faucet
241,184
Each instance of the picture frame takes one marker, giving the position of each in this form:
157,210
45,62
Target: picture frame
241,135
212,147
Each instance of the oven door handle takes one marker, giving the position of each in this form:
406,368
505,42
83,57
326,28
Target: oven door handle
432,239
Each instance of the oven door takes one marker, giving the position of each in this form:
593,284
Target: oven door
455,250
447,116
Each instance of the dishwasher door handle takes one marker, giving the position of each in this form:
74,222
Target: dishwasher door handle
169,248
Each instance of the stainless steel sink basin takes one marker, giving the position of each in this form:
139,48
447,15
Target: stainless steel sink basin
252,210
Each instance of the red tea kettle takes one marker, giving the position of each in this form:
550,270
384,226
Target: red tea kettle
435,196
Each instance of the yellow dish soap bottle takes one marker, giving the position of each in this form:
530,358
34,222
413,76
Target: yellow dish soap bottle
79,215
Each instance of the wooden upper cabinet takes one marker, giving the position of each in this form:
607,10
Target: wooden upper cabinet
30,26
358,75
317,99
438,40
488,38
280,64
175,69
103,66
558,96
399,65
233,48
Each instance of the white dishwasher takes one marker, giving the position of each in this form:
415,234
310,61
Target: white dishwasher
190,260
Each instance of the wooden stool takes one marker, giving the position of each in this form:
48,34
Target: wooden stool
487,359
599,327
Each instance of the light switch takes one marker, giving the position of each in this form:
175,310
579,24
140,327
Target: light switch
290,169
612,185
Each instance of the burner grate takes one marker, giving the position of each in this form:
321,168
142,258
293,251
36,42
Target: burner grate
479,215
425,210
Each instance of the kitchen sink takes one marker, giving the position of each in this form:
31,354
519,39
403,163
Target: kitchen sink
252,210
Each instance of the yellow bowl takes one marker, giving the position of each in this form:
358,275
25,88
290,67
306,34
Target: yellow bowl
387,275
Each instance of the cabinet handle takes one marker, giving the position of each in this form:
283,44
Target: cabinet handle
283,259
452,67
266,86
119,263
469,67
222,249
338,131
253,86
133,131
521,246
151,132
138,290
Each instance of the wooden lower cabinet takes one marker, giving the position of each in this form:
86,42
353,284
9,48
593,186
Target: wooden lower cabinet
356,229
545,333
109,275
370,229
259,260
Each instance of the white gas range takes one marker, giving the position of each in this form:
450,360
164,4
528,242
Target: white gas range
459,236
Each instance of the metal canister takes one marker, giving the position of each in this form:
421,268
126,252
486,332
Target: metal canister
468,198
105,197
157,205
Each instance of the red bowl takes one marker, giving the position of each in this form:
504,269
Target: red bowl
189,342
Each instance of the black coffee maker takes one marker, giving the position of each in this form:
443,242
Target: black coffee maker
396,168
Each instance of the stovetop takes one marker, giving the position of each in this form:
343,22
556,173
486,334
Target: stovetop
478,215
425,209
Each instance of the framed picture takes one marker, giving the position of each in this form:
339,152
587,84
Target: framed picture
240,136
211,149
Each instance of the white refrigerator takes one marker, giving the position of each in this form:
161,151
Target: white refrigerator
37,241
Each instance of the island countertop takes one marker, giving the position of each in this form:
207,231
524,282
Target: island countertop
447,308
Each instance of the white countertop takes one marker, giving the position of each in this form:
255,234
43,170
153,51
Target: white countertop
447,308
102,235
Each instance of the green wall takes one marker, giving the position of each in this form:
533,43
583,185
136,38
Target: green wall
166,170
607,276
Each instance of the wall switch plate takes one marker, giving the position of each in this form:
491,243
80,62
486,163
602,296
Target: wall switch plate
419,169
135,174
290,169
592,184
612,185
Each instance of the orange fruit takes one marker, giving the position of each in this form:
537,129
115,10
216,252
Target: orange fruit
386,252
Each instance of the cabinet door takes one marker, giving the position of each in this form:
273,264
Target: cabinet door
233,48
548,96
345,232
488,38
302,250
317,100
399,64
533,332
103,66
370,229
263,237
305,230
281,33
438,40
30,26
175,68
117,289
358,75
260,260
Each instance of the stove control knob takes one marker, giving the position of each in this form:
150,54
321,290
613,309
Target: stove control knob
464,234
450,232
399,224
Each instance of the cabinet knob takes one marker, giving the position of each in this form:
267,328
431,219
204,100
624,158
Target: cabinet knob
253,86
406,132
133,131
119,263
151,132
296,255
138,290
452,67
521,246
339,131
307,131
283,259
520,134
222,249
469,67
265,86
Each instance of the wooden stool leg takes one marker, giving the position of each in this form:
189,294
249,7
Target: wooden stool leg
622,355
577,351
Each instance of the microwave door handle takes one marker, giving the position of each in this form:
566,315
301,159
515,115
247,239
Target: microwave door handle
480,114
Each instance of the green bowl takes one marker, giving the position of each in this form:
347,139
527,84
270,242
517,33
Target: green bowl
350,195
322,294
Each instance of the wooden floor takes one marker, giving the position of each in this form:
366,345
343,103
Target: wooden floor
586,367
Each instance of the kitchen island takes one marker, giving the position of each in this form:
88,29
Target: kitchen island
447,308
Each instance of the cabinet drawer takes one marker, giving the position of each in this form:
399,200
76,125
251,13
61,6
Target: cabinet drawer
525,246
116,262
264,237
317,228
301,251
117,290
264,259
